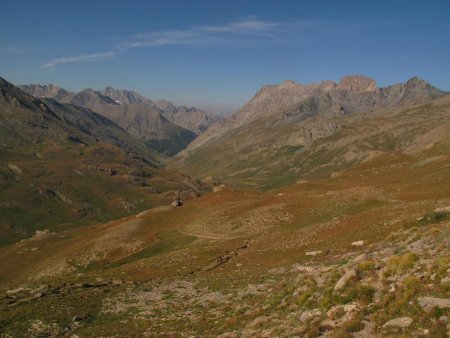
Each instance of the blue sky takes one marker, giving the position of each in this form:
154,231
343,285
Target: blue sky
217,54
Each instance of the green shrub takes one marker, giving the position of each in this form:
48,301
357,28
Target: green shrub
366,265
401,263
365,293
434,217
353,325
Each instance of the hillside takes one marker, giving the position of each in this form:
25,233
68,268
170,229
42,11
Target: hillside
365,254
292,132
346,235
63,166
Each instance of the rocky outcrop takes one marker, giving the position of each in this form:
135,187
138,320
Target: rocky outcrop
48,91
431,302
125,96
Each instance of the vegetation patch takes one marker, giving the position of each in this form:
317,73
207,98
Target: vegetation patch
399,264
434,217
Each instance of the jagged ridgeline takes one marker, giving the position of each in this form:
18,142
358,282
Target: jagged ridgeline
64,165
290,132
161,125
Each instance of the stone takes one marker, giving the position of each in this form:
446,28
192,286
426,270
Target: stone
401,322
345,279
14,168
309,314
313,253
443,319
18,290
177,202
431,302
358,243
328,323
445,280
443,209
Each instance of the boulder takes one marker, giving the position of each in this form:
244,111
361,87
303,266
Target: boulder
431,302
358,243
401,322
177,203
309,314
314,253
345,279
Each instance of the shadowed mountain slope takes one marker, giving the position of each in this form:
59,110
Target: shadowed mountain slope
163,126
63,166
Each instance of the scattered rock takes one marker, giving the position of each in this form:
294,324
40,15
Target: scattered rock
313,253
18,290
346,308
14,168
345,279
401,322
445,280
443,209
309,314
431,302
177,202
358,243
443,319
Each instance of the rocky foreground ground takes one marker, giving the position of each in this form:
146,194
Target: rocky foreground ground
397,287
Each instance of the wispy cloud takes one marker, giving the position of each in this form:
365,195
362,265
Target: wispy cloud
203,34
249,30
79,58
155,39
249,27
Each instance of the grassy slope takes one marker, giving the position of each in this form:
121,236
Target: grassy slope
172,245
29,200
164,255
250,159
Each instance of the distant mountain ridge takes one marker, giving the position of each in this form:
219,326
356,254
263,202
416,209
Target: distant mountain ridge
190,118
48,121
352,95
281,133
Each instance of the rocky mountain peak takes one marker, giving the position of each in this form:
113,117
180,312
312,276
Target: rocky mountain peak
287,84
357,84
45,91
417,82
417,88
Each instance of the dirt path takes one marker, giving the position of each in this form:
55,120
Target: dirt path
220,238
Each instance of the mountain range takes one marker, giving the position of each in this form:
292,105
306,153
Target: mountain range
161,125
64,165
316,210
288,132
